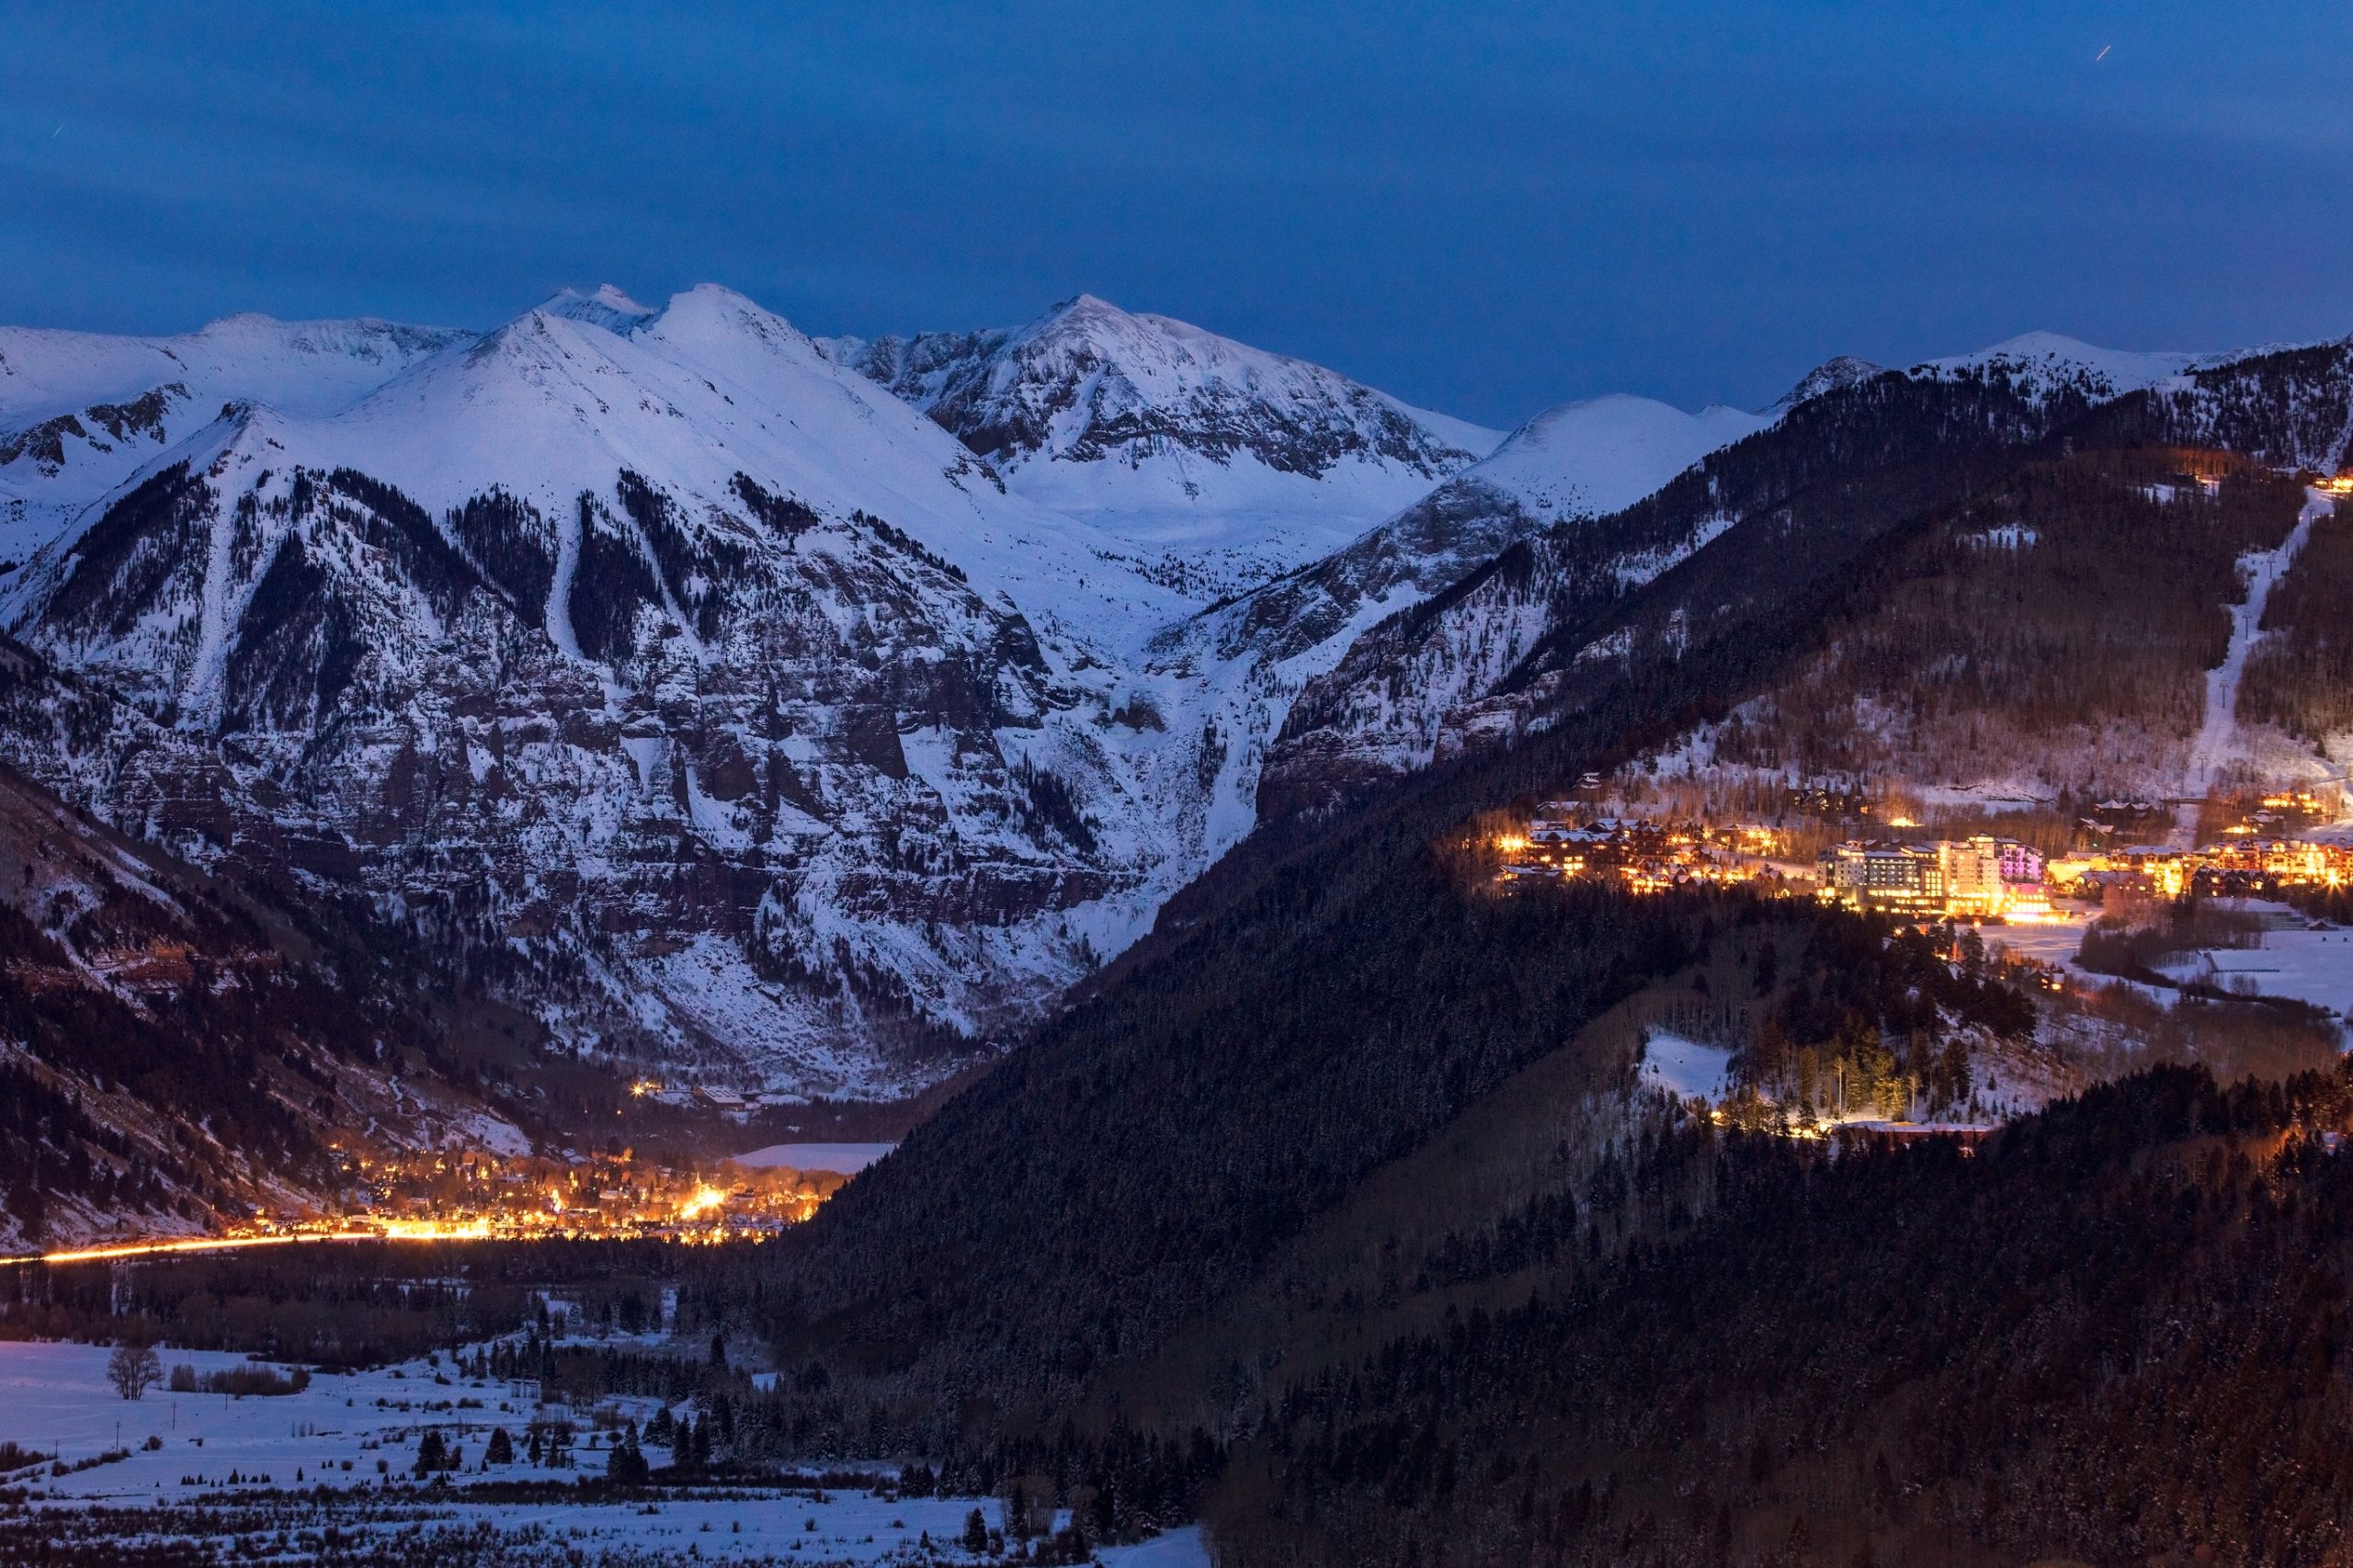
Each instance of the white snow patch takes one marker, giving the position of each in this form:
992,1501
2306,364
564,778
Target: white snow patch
58,1401
1685,1067
844,1159
2219,739
1595,456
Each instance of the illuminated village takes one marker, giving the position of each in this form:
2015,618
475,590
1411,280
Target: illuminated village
1980,877
1644,856
474,1195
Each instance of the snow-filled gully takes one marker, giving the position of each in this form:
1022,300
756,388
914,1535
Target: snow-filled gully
2217,737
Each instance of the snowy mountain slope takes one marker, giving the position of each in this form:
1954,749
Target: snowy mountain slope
1261,653
1754,522
1591,458
80,412
2291,407
2040,363
175,1044
1218,464
707,698
1477,665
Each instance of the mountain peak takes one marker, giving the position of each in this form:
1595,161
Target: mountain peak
1827,376
1085,305
237,322
2044,362
1595,456
606,306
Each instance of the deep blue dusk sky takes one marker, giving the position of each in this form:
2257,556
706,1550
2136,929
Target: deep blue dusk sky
1484,209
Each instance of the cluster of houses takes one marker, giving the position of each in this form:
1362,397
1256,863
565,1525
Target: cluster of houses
1996,879
1981,877
1644,856
2240,864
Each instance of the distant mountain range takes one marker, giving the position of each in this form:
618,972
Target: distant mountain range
813,714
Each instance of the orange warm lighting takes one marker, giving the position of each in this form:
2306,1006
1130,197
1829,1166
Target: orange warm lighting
196,1243
705,1199
437,1231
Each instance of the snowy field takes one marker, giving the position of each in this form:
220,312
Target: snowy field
842,1159
357,1434
2311,966
2054,942
1686,1068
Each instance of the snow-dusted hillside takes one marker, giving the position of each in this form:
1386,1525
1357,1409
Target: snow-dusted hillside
822,710
2042,363
1370,707
1479,664
1219,465
80,412
647,663
2292,407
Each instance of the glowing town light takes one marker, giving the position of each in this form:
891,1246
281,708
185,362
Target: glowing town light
705,1199
437,1231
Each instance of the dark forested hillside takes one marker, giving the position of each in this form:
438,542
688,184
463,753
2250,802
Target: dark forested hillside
2301,676
1749,534
176,1044
1145,1151
2057,625
2118,1335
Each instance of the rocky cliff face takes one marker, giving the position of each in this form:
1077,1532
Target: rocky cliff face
176,1044
649,669
721,697
1217,464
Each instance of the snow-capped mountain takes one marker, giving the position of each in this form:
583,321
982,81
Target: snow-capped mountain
677,679
1831,467
80,412
1263,650
2042,363
654,668
1219,465
822,710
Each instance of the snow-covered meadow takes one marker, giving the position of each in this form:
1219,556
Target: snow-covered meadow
340,1454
